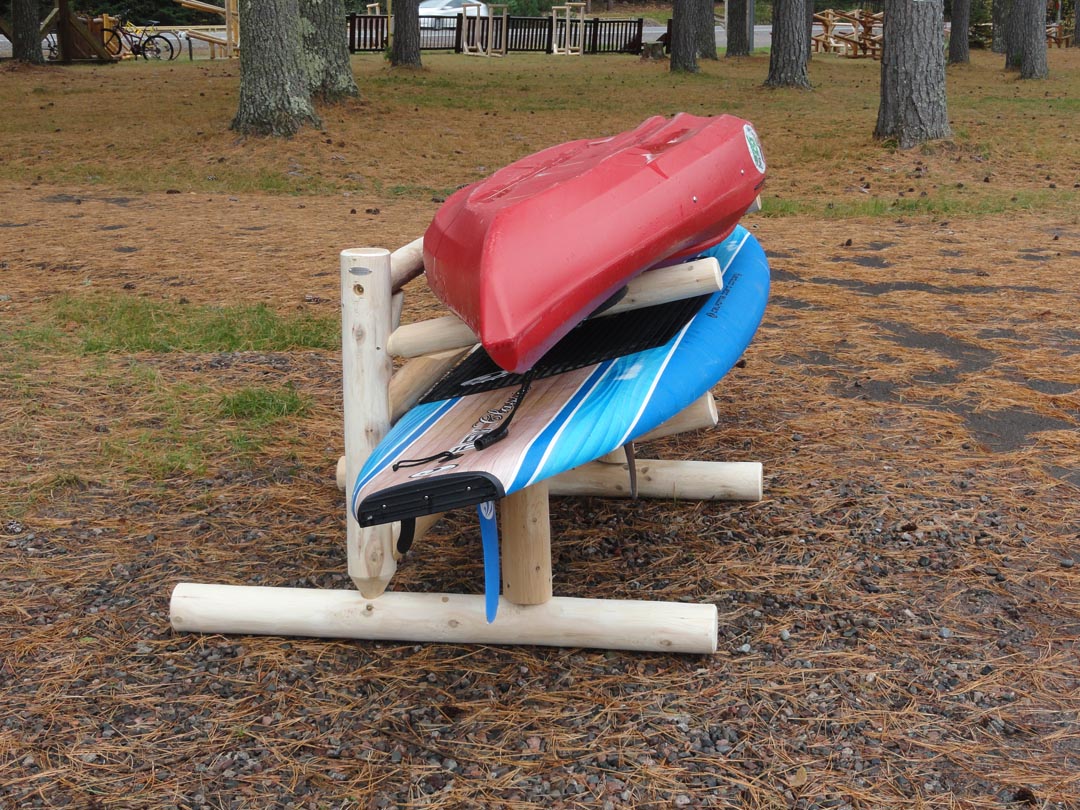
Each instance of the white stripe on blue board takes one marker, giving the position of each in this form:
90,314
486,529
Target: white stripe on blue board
675,345
656,381
540,433
569,418
738,248
377,464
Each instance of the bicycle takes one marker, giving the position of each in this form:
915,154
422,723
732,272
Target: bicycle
51,47
136,40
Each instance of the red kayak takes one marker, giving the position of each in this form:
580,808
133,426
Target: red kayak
525,255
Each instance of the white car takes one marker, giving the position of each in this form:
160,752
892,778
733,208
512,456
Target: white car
446,12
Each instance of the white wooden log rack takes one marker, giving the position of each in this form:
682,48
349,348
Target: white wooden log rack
374,398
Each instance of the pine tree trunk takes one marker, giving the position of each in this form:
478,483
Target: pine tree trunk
790,45
705,29
683,40
1012,34
809,28
738,43
958,34
913,107
326,50
999,15
405,49
1031,37
26,33
274,95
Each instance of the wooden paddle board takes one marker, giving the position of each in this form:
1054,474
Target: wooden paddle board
444,453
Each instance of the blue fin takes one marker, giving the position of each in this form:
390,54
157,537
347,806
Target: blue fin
489,538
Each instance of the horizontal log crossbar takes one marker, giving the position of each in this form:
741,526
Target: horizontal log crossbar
673,283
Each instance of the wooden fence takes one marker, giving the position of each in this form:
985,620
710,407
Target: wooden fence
368,32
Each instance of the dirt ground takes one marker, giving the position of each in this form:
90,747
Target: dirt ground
898,616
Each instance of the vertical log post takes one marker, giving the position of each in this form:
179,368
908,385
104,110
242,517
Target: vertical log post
526,546
366,368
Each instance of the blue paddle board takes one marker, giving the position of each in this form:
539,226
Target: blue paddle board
485,433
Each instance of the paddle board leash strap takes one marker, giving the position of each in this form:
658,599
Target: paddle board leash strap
445,455
489,539
499,433
407,535
486,440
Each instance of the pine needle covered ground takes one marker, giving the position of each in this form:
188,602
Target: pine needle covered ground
899,616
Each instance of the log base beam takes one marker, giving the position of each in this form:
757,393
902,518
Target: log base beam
612,624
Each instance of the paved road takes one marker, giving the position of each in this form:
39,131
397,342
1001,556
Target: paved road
762,35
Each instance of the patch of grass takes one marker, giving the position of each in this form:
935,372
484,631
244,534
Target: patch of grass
24,341
939,205
124,323
421,192
160,453
193,426
503,109
260,406
1029,104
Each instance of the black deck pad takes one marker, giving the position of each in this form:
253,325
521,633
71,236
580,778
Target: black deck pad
427,497
592,341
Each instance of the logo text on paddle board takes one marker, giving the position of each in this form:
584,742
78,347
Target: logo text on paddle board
729,284
485,378
485,424
754,145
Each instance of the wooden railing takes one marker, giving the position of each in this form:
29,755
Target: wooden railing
368,33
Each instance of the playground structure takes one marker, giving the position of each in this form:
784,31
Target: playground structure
229,44
571,38
77,38
855,34
484,35
372,299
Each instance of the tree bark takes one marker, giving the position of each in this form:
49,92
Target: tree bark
274,95
683,39
326,50
1011,35
959,32
999,16
1030,36
405,48
705,29
913,107
809,29
26,32
738,42
790,45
